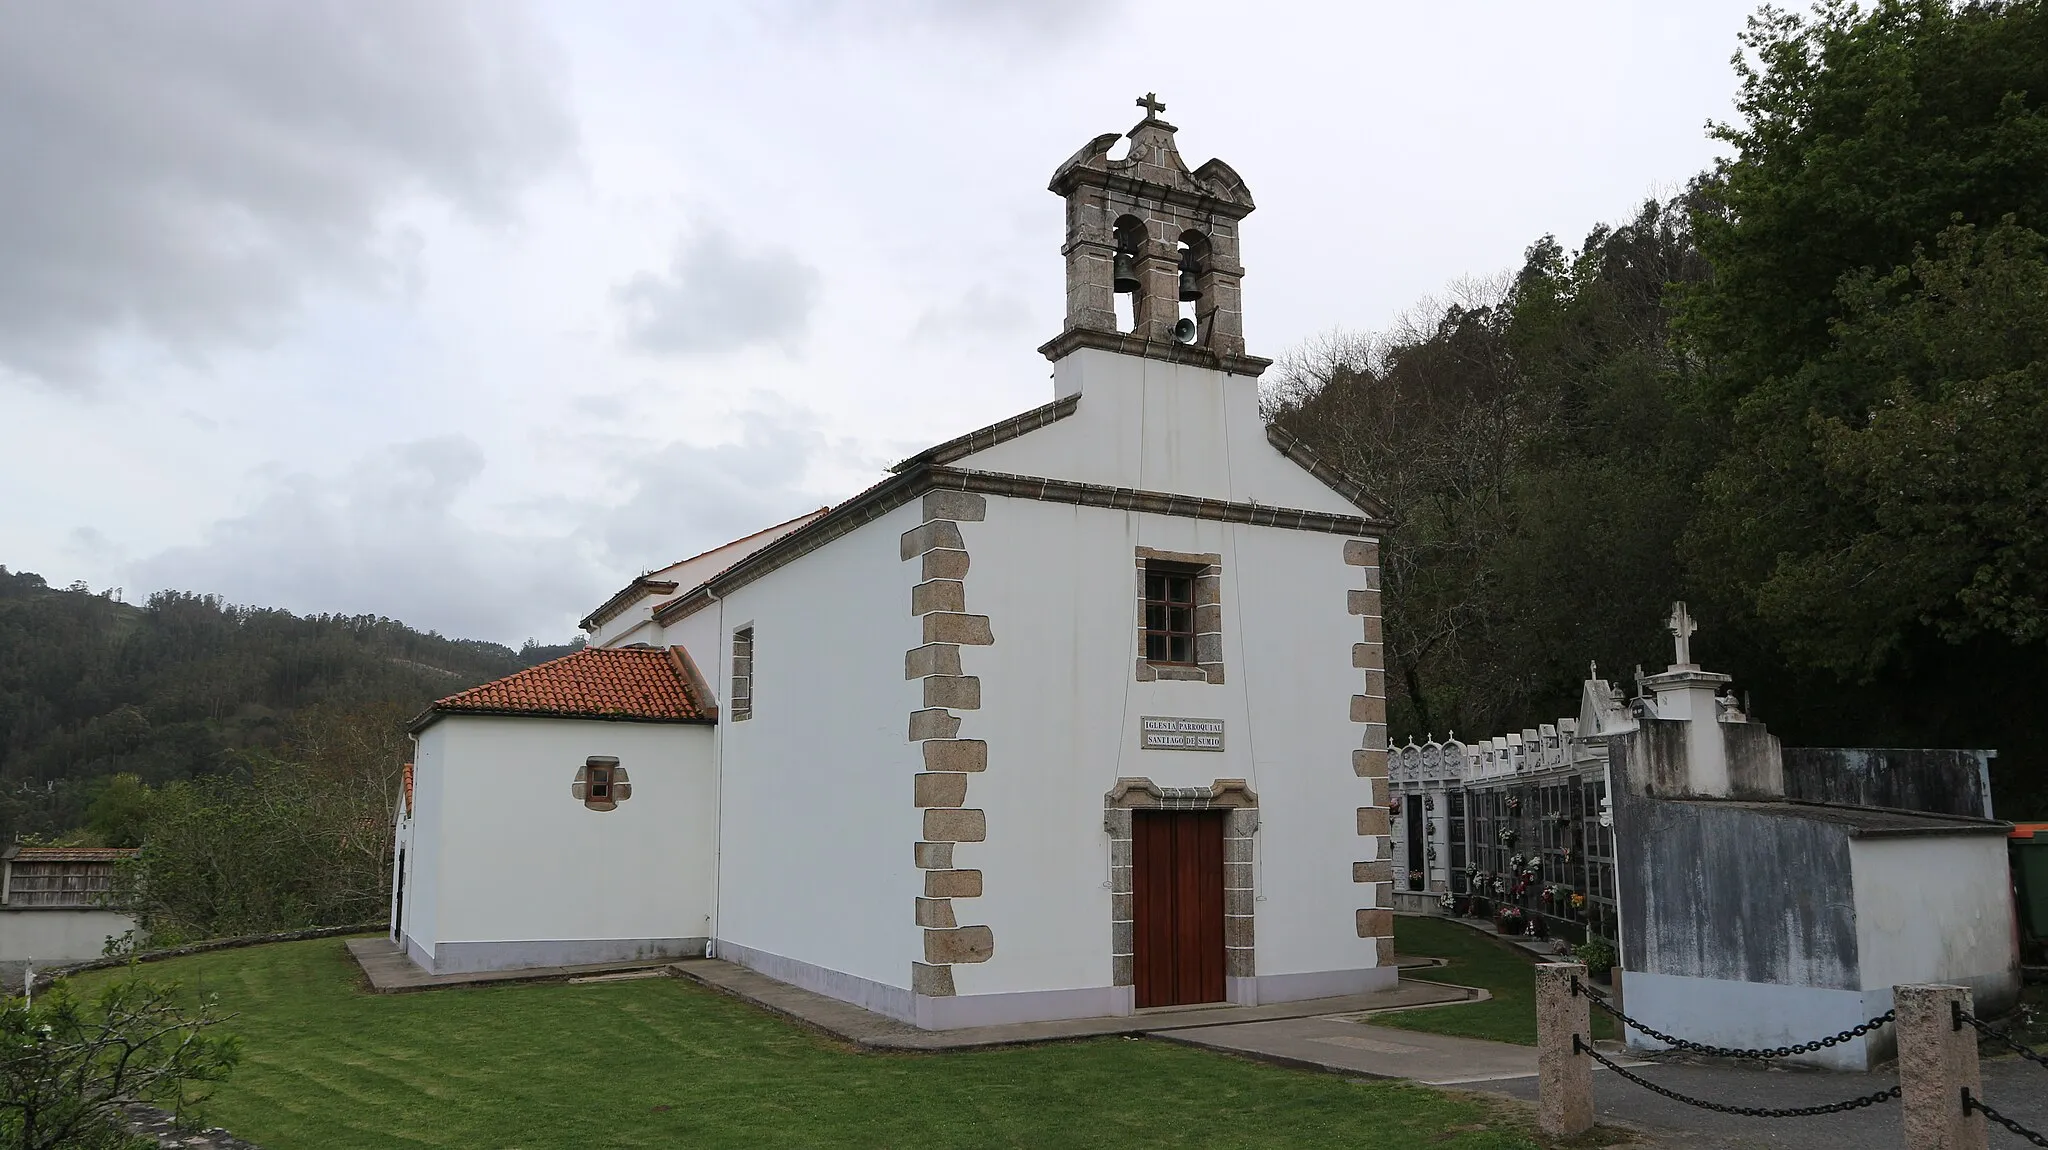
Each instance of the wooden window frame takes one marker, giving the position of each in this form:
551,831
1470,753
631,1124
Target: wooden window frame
1162,578
741,706
601,771
1158,573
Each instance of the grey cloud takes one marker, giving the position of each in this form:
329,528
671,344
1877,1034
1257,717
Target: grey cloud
185,172
1034,20
385,538
687,499
716,296
388,536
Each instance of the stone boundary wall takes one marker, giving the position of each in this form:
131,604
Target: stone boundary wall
939,602
1374,920
45,977
161,1127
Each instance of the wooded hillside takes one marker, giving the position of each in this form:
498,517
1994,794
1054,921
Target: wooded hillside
91,687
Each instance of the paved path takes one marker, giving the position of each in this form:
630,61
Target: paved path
878,1032
389,970
2018,1089
1345,1045
1351,1045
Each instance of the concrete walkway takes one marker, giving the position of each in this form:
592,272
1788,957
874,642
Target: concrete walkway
877,1032
1346,1044
390,971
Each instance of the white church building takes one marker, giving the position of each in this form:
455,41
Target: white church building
1073,715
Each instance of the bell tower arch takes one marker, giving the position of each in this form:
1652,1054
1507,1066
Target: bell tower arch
1144,225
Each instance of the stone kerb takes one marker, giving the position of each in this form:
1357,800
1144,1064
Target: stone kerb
947,762
1374,920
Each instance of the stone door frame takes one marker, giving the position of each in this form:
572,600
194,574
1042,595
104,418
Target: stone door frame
1242,821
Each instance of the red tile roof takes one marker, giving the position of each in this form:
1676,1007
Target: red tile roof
647,684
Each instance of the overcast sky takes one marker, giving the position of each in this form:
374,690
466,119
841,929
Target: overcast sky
467,313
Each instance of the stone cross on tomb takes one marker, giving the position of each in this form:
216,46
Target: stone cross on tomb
1682,628
1150,102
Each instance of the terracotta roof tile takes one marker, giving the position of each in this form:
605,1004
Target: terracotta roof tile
643,683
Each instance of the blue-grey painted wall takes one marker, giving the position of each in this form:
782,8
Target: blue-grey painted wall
1725,890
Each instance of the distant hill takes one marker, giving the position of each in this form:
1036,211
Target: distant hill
90,686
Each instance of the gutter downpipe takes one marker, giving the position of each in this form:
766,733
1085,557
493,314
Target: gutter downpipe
718,789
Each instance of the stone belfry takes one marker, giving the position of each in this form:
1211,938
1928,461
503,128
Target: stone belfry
1146,225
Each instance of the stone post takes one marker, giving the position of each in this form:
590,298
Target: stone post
1564,1077
1937,1062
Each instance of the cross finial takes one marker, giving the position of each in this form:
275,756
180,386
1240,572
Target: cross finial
1150,102
1682,628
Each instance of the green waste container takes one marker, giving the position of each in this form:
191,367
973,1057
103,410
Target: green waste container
2029,848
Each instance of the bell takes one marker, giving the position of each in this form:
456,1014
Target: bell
1189,293
1125,272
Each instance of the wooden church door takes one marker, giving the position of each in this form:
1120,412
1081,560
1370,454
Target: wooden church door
1177,888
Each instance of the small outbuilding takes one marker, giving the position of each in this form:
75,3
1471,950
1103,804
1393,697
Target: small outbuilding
54,905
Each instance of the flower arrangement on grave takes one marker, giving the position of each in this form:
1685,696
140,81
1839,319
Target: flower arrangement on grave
1415,878
1429,852
1514,804
1510,920
1428,802
1578,901
1500,885
1449,902
1515,864
1597,955
1507,836
1429,829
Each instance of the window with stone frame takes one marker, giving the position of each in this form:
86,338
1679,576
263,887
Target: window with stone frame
1170,613
742,707
1180,616
601,784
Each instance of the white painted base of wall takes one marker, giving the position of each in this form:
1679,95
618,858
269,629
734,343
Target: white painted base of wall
1758,1015
894,1001
475,957
51,935
1269,988
961,1011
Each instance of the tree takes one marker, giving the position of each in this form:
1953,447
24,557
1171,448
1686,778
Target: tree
67,1067
1866,139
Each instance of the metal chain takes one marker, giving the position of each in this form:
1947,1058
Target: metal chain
1970,1103
1962,1016
1856,1031
1745,1111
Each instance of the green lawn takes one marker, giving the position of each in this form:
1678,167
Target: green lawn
666,1063
1481,960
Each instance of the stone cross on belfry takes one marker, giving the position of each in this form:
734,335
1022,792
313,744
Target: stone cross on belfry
1150,102
1682,628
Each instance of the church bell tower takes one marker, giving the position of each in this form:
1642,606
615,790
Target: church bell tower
1145,226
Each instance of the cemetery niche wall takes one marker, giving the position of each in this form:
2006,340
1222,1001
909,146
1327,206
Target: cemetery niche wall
1753,895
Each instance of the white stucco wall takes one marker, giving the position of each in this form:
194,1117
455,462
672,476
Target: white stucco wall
419,912
1935,909
503,853
58,935
1159,426
1061,711
816,864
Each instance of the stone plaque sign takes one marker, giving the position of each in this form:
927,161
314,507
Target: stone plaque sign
1161,733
